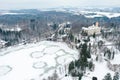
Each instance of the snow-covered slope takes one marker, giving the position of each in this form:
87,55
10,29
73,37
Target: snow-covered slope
34,61
87,12
90,14
93,14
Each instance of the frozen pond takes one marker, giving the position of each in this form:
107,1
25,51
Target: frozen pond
34,61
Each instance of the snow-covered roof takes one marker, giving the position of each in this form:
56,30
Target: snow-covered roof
90,27
12,29
2,42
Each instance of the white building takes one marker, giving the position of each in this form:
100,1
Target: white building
2,43
92,29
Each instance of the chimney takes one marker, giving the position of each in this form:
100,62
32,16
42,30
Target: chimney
97,24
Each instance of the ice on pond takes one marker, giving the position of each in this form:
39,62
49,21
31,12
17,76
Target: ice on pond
4,70
39,65
37,54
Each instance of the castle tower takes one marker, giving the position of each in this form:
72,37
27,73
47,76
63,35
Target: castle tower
97,24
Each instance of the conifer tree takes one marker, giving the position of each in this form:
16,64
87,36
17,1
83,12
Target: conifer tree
80,76
113,55
107,77
71,66
116,76
94,35
91,65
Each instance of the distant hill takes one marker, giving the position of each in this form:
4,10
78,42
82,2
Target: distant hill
77,17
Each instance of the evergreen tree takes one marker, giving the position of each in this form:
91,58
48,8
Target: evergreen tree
84,51
83,57
88,38
97,58
94,78
88,51
116,76
113,55
94,35
71,37
76,40
83,63
80,76
71,66
77,63
61,32
91,65
107,77
109,55
55,26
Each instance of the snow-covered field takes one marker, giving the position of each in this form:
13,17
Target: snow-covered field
34,61
75,11
39,60
9,13
88,13
91,14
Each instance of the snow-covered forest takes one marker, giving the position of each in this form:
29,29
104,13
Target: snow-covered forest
48,47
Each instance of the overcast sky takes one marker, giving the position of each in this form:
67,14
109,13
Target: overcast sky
31,4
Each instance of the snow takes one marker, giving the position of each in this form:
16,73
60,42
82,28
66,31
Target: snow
18,29
108,14
116,59
35,61
9,13
4,70
2,42
67,78
12,29
99,14
74,11
100,71
39,65
90,27
92,14
101,68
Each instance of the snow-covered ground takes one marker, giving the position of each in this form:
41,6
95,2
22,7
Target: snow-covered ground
9,13
91,14
34,61
100,71
101,68
39,60
75,11
88,13
12,29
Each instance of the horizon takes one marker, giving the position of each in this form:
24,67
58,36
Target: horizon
62,7
40,4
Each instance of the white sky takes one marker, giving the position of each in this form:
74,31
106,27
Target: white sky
27,4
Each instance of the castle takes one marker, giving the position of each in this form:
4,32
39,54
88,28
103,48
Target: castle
94,29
